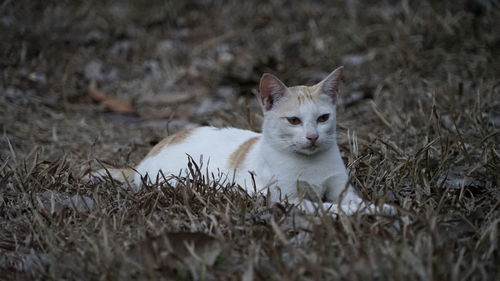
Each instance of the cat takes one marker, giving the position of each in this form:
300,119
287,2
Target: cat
295,158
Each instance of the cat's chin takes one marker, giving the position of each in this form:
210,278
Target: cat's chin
309,150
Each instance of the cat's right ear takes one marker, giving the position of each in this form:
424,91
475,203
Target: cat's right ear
271,90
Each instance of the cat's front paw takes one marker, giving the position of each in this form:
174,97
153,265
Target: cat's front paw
387,209
380,209
354,206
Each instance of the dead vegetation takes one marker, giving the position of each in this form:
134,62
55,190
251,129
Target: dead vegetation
418,121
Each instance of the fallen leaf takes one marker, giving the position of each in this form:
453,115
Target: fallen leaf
172,250
166,99
164,115
114,104
55,202
118,105
96,95
80,203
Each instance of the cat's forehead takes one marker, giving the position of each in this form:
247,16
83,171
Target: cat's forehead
304,93
304,98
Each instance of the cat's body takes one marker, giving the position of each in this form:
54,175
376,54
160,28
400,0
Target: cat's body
238,154
296,157
212,148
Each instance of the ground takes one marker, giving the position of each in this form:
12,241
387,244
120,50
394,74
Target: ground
92,83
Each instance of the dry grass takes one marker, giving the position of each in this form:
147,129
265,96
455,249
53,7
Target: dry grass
419,126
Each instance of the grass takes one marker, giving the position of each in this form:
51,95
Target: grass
418,126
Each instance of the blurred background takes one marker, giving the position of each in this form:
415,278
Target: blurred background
144,62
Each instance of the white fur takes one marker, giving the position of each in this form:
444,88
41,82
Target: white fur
208,146
282,160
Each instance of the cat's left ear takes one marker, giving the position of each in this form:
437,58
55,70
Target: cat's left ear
329,85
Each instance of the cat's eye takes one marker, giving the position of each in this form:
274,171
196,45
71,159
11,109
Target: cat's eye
323,118
293,120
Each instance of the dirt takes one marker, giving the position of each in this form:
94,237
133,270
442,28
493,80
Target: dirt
92,83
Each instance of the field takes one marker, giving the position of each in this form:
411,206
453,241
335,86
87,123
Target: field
90,83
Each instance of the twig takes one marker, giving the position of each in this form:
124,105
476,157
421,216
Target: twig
380,116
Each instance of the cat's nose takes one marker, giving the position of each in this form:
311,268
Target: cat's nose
312,138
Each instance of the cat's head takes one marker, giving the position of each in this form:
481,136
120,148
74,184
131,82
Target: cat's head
299,119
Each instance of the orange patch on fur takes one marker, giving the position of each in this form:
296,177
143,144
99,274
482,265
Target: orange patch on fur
128,175
170,140
238,156
309,93
298,96
122,175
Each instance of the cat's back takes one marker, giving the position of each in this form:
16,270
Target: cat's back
215,146
211,139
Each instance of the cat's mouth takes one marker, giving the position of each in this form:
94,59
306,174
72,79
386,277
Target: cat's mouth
311,147
307,149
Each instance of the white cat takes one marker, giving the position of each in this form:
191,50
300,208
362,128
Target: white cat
296,157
